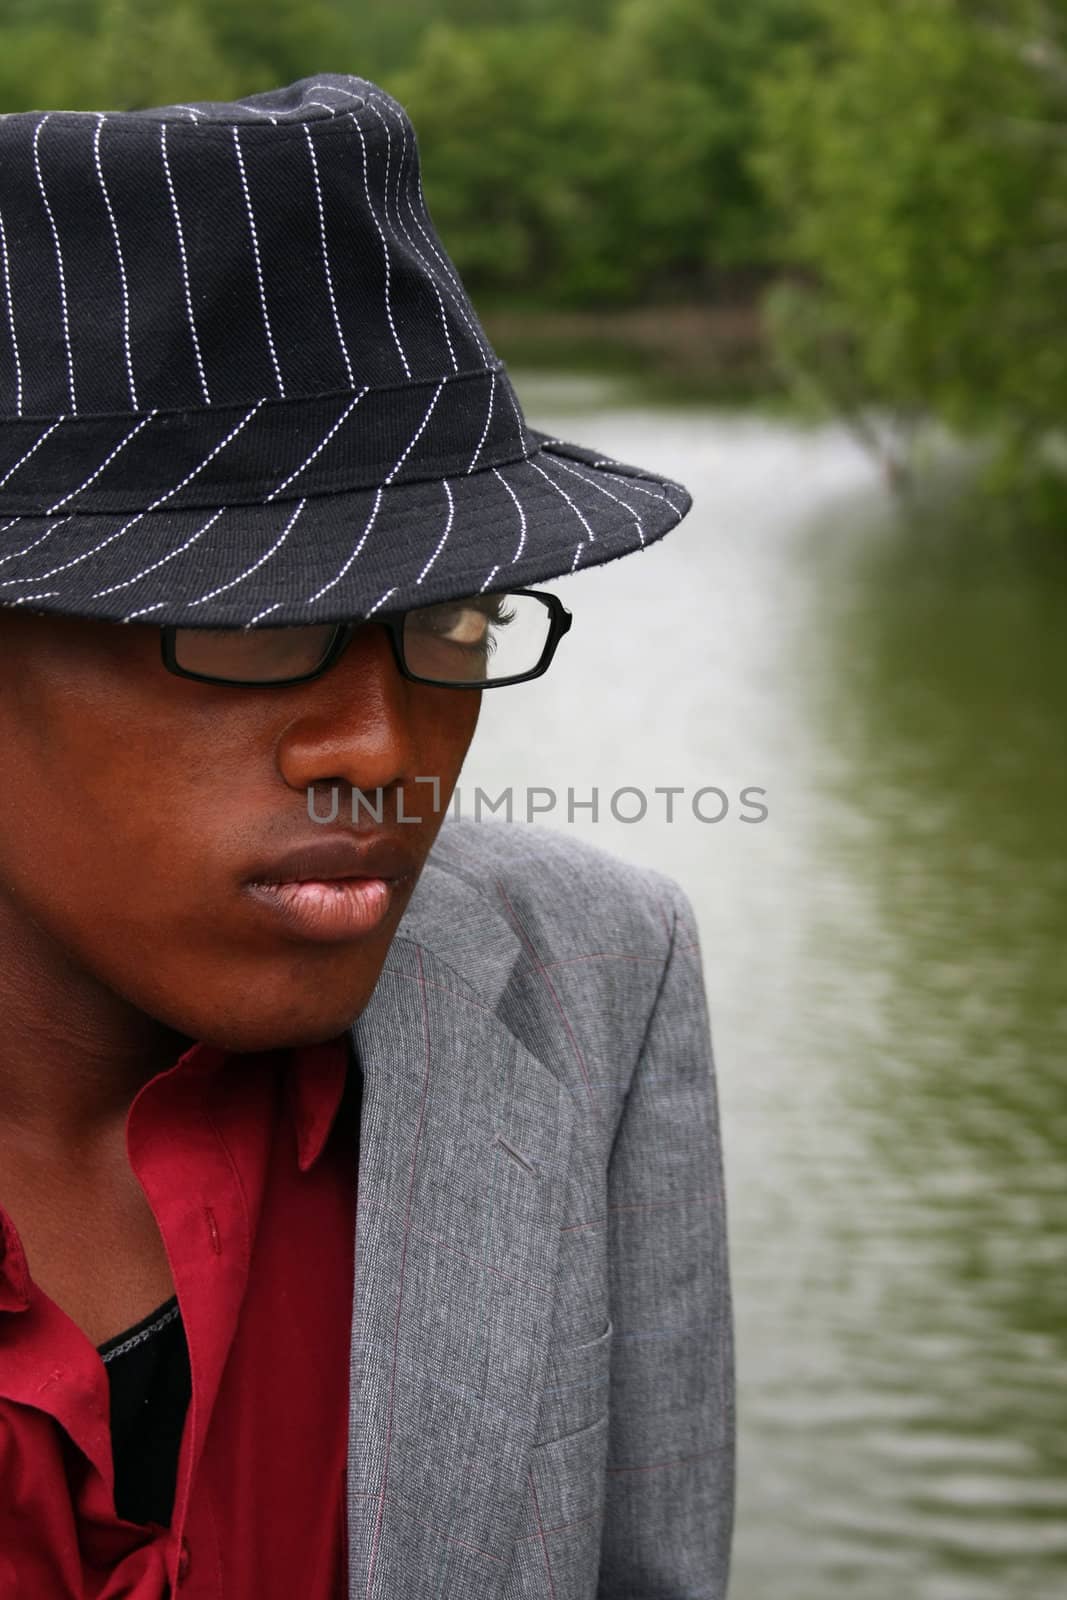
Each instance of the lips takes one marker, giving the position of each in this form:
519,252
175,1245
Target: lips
331,890
321,860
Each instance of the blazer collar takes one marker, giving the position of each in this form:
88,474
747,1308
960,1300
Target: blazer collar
464,1146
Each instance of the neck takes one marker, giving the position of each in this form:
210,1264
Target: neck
73,1054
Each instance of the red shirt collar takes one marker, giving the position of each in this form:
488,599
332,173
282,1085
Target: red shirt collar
314,1083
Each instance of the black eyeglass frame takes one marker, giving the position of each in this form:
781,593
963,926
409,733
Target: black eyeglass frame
560,620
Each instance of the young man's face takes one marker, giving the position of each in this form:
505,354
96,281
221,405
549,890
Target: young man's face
135,805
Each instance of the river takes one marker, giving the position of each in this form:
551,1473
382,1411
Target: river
884,956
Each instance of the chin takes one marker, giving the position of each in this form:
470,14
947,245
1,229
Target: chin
261,1034
311,1017
306,997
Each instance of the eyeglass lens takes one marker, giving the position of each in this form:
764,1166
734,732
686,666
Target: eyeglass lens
476,640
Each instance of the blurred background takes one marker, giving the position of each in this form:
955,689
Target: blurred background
809,257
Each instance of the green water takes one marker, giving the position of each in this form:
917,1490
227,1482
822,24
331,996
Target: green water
884,958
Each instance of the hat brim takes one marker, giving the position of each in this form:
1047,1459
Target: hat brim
342,556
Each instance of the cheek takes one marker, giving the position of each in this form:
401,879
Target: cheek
90,813
447,719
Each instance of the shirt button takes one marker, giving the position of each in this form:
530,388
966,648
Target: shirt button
183,1561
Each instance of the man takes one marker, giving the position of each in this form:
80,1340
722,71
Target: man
361,1199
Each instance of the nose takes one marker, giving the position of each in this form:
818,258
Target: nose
354,726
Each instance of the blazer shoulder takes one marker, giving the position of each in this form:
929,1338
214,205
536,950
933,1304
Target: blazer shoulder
561,888
569,945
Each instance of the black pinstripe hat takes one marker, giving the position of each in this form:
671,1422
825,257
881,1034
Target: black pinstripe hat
241,382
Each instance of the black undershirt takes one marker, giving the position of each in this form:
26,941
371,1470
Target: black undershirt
150,1384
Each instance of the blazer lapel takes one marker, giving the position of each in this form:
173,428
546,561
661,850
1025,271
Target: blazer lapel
464,1144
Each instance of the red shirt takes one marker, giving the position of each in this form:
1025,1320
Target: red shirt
251,1175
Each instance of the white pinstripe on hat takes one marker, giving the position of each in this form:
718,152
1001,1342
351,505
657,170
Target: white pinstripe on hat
241,382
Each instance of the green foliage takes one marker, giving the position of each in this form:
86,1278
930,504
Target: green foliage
146,47
686,74
381,40
528,181
917,153
129,53
899,165
622,152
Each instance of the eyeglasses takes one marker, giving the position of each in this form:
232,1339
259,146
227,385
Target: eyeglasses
483,642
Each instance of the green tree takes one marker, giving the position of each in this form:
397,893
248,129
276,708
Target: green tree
514,128
129,53
685,88
917,154
585,163
150,52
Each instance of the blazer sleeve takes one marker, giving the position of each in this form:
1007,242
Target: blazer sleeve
669,1493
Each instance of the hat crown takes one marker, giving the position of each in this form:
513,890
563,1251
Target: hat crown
241,384
219,253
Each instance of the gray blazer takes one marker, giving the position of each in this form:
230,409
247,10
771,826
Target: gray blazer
542,1381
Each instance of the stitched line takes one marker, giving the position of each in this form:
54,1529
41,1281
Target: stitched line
11,317
631,482
561,491
417,435
108,459
27,548
385,246
118,255
335,88
522,516
184,260
362,540
233,582
259,265
523,431
134,520
33,447
155,565
444,536
319,448
488,420
599,487
326,254
293,405
381,600
59,260
400,222
258,111
456,292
